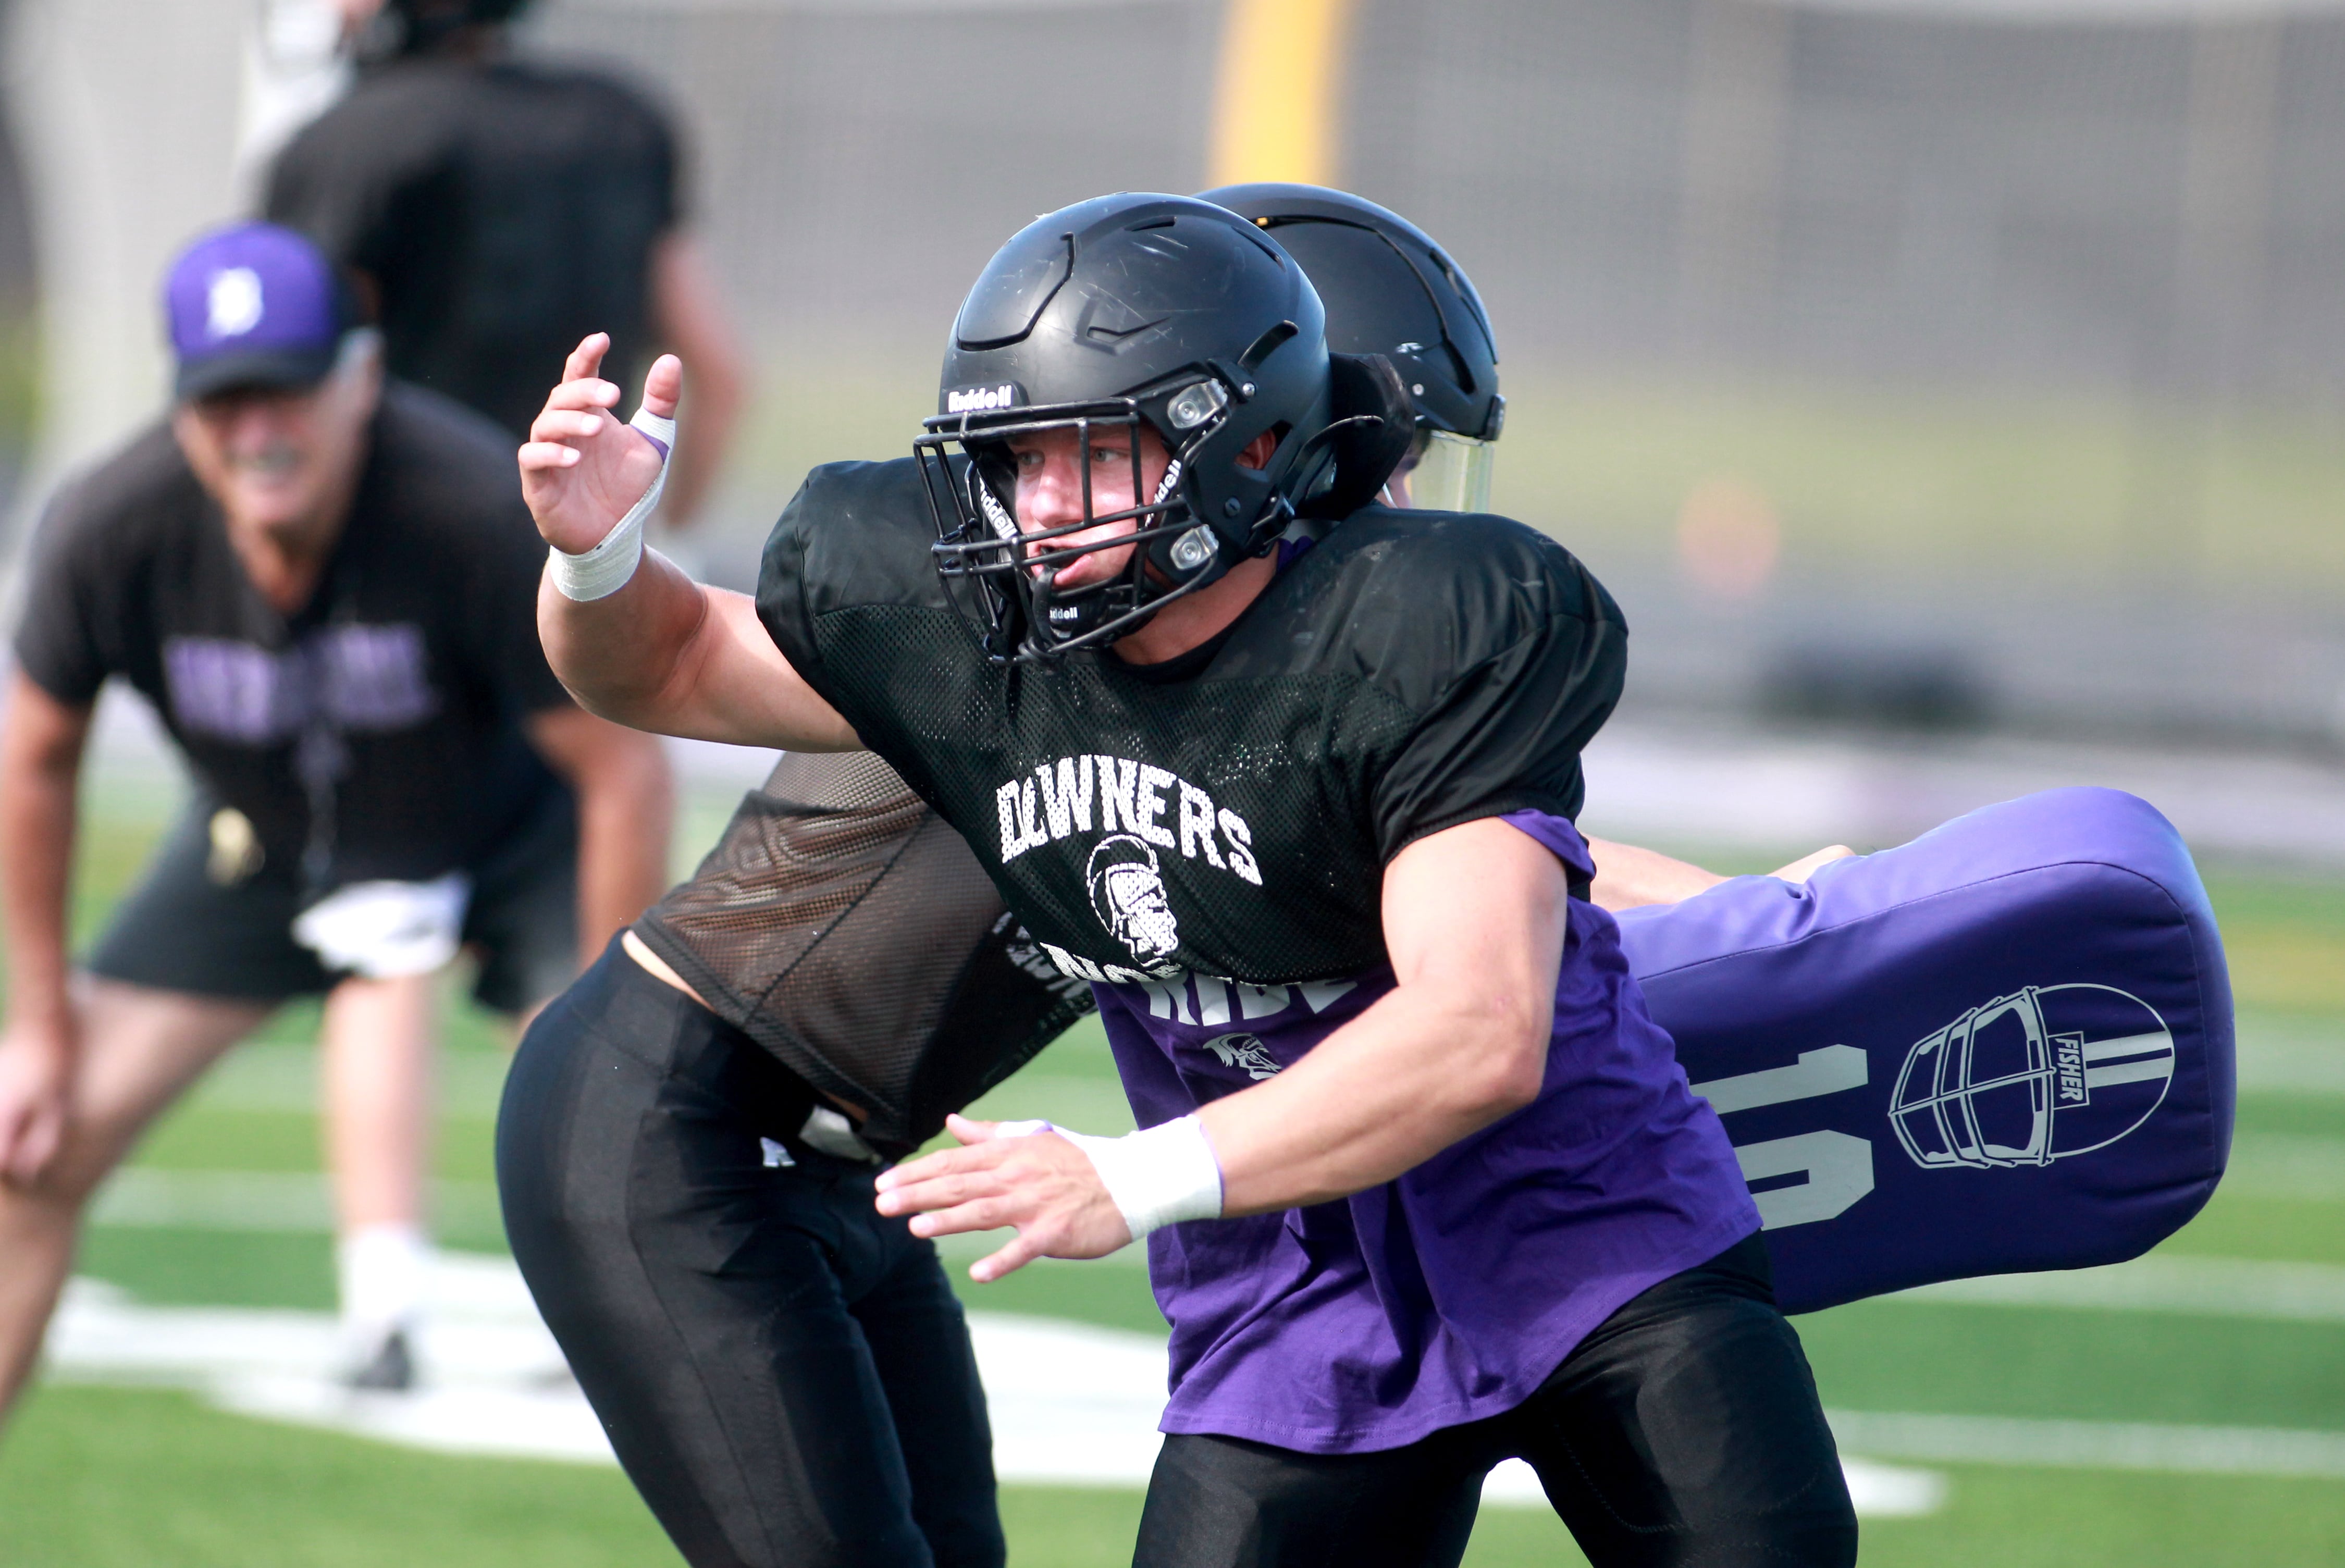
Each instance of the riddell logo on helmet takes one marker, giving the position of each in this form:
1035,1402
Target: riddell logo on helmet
983,400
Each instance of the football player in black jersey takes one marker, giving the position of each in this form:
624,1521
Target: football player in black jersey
1545,1247
840,927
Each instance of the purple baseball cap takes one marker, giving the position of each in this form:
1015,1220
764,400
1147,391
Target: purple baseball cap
253,305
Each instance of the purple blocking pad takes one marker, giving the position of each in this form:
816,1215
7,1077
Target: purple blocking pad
2005,1046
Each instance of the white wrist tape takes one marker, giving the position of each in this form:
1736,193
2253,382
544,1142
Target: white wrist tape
1155,1177
602,571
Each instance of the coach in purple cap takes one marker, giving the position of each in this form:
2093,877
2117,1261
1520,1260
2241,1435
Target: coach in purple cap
254,307
324,581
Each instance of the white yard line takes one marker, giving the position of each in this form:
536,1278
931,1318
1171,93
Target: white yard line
1071,1404
2198,1287
1077,1404
2094,1445
261,1201
2287,1055
2287,1165
2204,1287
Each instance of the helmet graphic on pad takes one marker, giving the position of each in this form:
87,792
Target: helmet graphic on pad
2035,1076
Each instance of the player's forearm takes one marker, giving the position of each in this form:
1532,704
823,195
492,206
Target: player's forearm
1423,1068
635,639
627,656
666,655
1627,877
1474,919
38,775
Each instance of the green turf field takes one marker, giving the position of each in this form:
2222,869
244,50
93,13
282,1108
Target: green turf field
95,1477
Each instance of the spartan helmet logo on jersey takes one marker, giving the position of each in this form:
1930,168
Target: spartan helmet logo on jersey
1246,1051
2033,1077
1128,895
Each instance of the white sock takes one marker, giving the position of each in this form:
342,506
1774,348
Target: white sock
382,1271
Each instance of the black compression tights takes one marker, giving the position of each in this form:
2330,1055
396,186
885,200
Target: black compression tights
788,1379
1684,1432
785,1374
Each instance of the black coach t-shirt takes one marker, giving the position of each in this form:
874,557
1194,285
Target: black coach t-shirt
379,723
1414,671
505,210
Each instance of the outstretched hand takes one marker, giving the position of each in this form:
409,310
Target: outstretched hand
583,467
1807,866
1044,1186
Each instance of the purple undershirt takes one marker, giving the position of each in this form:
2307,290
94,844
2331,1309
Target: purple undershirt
1451,1293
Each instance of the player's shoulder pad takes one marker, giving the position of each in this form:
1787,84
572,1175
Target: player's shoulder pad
855,534
1428,593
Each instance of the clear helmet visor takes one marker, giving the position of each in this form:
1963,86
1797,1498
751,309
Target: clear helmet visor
1449,473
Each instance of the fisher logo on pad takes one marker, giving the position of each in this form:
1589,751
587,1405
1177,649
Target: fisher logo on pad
2038,1075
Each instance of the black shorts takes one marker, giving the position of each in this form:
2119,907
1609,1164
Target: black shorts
785,1374
1685,1430
179,930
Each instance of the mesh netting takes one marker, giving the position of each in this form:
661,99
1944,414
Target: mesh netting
849,931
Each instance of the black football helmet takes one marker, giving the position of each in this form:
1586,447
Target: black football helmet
1127,312
1389,289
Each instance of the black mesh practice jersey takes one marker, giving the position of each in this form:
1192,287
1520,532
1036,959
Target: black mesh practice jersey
503,209
848,929
1411,672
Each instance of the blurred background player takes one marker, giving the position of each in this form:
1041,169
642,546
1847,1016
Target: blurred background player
322,581
494,211
691,1134
299,59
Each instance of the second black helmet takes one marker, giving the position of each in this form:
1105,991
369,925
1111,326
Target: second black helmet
1390,289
